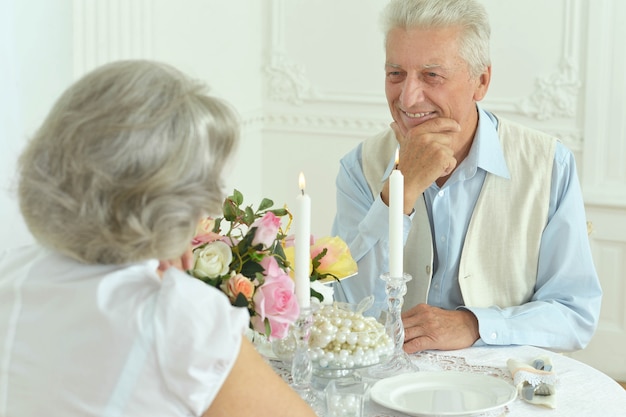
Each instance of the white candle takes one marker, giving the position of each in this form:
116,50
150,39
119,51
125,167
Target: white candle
302,222
396,215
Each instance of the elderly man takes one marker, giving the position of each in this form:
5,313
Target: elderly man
494,226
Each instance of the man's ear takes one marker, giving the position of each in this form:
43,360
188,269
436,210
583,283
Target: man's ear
483,84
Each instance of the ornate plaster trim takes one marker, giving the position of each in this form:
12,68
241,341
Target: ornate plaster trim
108,30
287,81
319,123
556,95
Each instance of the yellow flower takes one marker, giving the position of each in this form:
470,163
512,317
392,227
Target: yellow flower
337,262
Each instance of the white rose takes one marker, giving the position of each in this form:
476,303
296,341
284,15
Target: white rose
213,260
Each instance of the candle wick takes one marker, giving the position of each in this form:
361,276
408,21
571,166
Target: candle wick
302,191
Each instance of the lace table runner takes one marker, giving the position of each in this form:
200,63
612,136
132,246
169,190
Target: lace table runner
426,361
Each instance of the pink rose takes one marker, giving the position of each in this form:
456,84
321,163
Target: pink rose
200,240
238,284
266,229
204,233
275,301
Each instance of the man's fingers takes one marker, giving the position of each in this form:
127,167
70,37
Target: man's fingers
436,125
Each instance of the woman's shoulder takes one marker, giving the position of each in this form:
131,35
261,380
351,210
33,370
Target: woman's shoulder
198,336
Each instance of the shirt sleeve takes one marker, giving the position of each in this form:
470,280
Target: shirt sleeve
361,221
198,336
564,310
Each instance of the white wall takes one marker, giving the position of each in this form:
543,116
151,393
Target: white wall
307,78
35,67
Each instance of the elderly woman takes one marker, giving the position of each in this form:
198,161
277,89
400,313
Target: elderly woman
116,178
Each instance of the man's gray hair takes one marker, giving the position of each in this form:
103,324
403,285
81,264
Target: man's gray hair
469,15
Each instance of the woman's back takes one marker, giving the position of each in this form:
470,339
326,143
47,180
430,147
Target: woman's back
109,340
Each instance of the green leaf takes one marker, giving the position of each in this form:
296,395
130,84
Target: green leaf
257,255
279,212
279,254
230,211
268,328
316,261
317,295
260,277
237,197
249,216
250,269
240,301
217,225
265,204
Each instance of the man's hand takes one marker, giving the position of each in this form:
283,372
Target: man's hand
427,327
426,154
183,263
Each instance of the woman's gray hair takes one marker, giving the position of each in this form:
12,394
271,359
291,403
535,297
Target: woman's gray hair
469,15
126,163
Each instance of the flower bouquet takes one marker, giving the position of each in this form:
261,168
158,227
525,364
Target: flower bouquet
247,255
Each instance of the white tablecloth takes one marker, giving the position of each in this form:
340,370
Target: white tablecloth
580,389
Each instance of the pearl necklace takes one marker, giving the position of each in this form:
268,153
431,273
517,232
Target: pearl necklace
346,339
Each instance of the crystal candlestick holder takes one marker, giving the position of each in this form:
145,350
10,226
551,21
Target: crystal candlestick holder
301,365
399,362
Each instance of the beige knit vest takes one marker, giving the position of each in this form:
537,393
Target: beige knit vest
498,265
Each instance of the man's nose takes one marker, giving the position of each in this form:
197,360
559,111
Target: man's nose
412,92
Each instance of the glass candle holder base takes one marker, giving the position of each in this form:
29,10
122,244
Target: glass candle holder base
400,361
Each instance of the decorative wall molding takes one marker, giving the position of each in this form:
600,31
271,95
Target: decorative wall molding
555,95
286,81
108,30
317,123
604,181
284,122
252,122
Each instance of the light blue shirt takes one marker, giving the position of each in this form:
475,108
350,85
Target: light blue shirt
564,310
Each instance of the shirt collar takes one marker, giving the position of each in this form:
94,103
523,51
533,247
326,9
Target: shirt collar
486,151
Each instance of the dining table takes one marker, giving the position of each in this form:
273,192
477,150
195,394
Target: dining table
580,390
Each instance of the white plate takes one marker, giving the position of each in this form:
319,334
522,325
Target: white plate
446,393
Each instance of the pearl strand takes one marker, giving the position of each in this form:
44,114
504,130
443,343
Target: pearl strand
346,339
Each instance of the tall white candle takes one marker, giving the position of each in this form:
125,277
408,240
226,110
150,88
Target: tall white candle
396,214
302,222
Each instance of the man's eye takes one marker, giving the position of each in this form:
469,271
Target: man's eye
432,75
395,75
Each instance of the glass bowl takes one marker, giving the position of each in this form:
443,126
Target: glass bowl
344,339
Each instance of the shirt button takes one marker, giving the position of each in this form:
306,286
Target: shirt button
494,336
443,238
441,193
